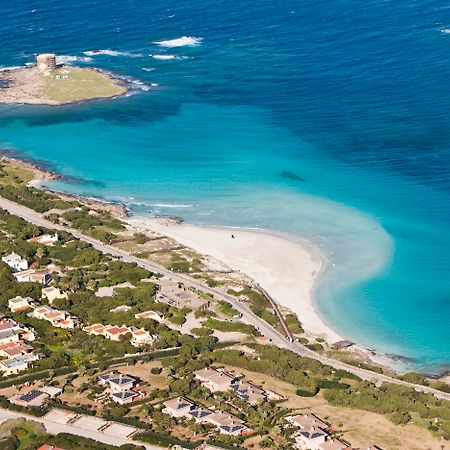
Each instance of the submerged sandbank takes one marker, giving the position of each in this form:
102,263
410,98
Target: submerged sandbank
287,268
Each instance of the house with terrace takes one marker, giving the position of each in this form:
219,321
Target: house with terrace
12,350
59,319
226,423
122,389
16,365
178,407
34,276
15,262
215,380
138,336
45,239
20,303
11,331
154,315
51,293
304,421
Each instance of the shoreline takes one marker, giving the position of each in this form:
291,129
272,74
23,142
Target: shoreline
292,289
43,172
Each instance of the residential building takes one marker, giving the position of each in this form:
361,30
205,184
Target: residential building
59,319
122,388
178,407
304,421
154,315
45,239
20,303
31,275
15,262
32,398
215,380
97,329
16,365
248,392
15,349
116,333
310,438
140,337
227,424
118,382
333,444
51,293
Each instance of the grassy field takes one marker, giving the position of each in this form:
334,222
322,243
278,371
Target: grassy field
78,84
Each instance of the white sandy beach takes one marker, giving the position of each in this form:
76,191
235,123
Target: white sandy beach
287,269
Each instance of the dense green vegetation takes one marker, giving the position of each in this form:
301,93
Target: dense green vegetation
236,327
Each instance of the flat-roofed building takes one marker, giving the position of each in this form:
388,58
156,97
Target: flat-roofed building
154,315
304,421
20,303
45,239
35,276
178,407
16,365
310,438
140,337
227,424
51,293
12,350
215,380
248,392
15,262
333,444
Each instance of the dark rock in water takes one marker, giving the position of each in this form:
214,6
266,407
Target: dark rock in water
401,358
292,176
82,181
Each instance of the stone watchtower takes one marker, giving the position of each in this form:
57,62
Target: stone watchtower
46,62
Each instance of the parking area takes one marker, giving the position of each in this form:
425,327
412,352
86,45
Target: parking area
119,430
60,416
89,423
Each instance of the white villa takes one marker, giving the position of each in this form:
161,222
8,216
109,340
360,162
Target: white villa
16,262
31,275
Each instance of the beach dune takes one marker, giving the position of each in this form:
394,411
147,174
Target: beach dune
286,267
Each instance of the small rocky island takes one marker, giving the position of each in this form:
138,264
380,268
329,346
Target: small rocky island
47,83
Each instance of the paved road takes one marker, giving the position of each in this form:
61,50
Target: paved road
56,428
247,315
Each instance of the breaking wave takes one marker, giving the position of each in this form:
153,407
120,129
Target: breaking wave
168,57
67,59
190,41
109,52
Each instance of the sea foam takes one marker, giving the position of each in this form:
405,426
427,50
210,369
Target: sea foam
168,57
67,59
110,52
5,69
190,41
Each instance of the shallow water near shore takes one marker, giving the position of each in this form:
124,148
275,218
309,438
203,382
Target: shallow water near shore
249,131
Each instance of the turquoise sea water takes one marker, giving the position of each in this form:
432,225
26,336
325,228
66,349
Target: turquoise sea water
325,121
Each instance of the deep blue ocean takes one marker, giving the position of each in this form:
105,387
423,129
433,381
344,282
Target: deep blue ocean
325,119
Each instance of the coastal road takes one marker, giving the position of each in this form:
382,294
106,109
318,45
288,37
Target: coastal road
56,428
247,315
